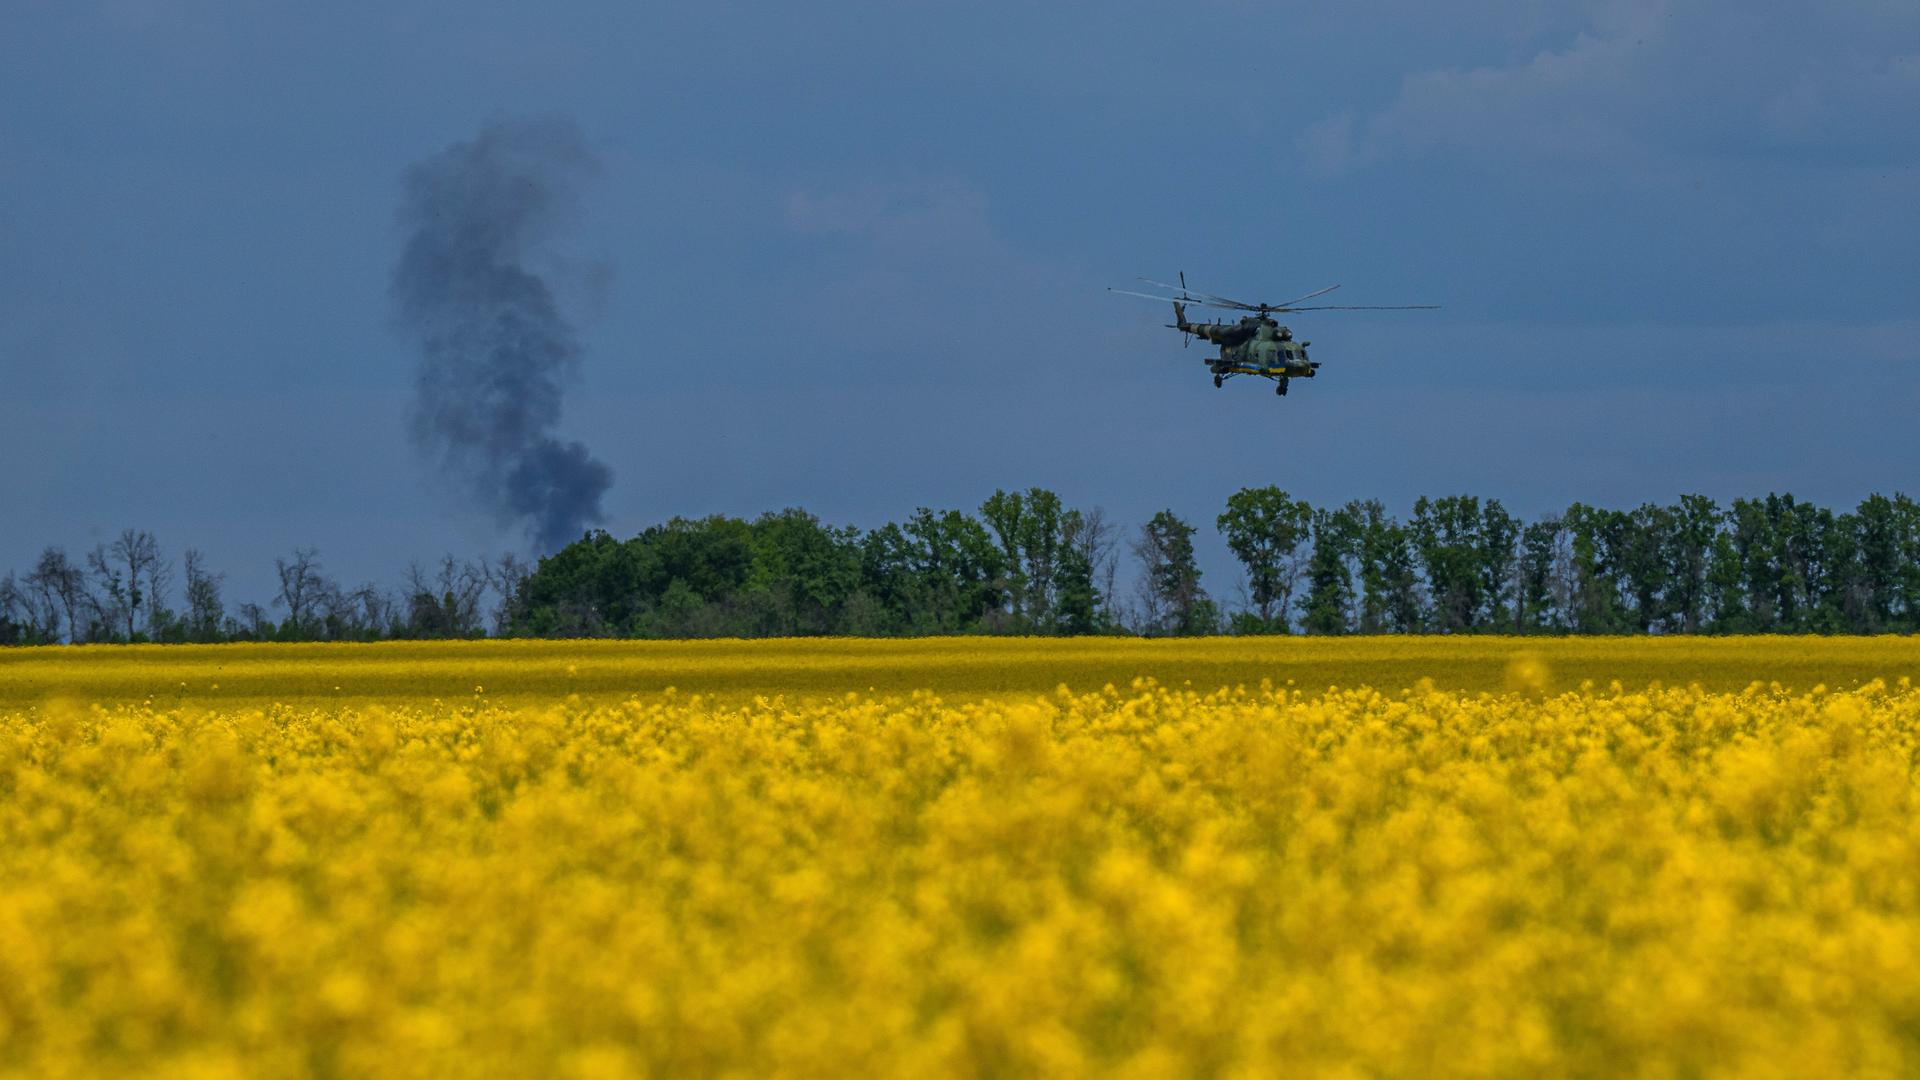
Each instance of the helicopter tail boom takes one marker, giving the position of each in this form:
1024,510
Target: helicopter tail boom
1181,324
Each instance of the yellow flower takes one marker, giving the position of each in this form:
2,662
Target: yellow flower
1019,857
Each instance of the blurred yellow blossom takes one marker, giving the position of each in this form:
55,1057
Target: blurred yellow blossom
1140,880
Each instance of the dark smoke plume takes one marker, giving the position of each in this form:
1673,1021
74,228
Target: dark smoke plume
495,352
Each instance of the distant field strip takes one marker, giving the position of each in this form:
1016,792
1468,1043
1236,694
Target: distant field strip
951,667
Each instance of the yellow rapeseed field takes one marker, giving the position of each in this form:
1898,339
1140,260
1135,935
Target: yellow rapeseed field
1376,857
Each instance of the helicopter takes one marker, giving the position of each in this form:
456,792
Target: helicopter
1257,344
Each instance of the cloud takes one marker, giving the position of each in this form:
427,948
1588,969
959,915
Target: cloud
889,212
1649,88
912,274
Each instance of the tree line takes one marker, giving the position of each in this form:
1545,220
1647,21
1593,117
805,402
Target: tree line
1027,563
128,590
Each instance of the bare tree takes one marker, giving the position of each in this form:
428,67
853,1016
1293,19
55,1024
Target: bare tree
1566,577
40,588
63,587
508,575
138,553
159,588
337,612
16,621
114,600
1148,612
465,581
301,589
446,602
425,617
1098,541
253,622
1093,542
375,614
205,612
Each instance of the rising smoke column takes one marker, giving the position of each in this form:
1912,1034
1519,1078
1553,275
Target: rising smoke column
495,352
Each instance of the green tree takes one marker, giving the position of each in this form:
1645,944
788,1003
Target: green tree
1079,605
1726,593
1906,587
1694,525
1819,553
711,556
1642,544
1595,537
889,581
1758,552
800,573
1390,599
1172,601
1534,606
1264,528
1447,536
939,573
1877,547
1329,580
1886,556
1006,515
590,587
1499,531
1037,535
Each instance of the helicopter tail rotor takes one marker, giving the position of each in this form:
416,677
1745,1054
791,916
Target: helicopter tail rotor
1180,323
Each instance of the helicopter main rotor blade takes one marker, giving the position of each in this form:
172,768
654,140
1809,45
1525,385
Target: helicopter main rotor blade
1271,309
1225,304
1162,299
1297,299
1208,300
1362,307
1164,285
1228,302
1189,296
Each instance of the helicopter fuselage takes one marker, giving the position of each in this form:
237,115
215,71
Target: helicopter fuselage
1255,345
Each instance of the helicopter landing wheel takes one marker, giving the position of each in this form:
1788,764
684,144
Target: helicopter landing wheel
1216,382
1281,388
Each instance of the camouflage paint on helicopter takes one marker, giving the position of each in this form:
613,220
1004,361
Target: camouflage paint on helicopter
1256,345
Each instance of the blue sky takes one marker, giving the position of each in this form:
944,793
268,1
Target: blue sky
852,257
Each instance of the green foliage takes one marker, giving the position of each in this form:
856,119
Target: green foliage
1455,552
800,573
1390,600
1029,564
1495,559
1693,526
940,573
1336,537
1536,607
1264,528
1598,541
592,586
1175,604
1048,584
